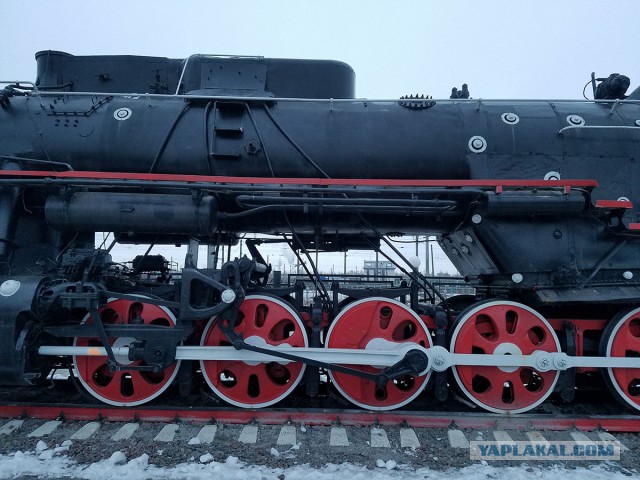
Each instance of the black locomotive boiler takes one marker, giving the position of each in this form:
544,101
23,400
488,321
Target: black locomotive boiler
535,203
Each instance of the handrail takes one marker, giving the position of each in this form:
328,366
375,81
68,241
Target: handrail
17,82
323,100
598,127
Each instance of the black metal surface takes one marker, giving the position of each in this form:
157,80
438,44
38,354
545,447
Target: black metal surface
551,247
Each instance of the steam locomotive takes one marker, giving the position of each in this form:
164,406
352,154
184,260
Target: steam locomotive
534,202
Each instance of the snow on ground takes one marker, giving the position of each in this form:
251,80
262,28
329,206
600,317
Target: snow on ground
118,468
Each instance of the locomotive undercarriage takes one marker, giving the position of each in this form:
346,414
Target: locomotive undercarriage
129,336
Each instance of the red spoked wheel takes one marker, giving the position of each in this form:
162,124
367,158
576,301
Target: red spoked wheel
124,388
261,321
621,338
362,325
503,328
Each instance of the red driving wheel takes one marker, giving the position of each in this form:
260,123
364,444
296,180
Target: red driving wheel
124,388
621,338
503,328
262,320
369,320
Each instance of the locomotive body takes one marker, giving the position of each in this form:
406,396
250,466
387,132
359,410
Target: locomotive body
533,201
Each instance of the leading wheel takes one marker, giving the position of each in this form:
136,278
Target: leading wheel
362,325
503,328
621,338
261,321
124,388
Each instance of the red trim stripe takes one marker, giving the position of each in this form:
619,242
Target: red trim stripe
161,177
614,204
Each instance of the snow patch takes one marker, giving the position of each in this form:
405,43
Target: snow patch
23,464
118,458
206,458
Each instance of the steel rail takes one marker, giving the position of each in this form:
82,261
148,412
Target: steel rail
326,417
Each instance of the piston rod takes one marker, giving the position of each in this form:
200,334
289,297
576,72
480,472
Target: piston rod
439,358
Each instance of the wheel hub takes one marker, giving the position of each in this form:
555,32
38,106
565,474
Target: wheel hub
507,349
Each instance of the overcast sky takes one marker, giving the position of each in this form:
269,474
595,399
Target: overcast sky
502,49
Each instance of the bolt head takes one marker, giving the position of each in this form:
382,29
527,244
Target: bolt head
575,120
477,144
228,296
510,118
544,362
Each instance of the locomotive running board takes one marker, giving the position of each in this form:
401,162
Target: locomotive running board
498,184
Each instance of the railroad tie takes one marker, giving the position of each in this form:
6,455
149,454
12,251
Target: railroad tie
125,432
408,438
11,427
338,437
379,438
457,439
287,435
167,434
249,434
607,437
207,433
86,431
536,437
45,429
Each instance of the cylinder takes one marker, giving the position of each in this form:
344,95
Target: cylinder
132,213
543,203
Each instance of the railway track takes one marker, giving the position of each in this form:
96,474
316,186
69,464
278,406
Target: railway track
554,420
427,433
274,439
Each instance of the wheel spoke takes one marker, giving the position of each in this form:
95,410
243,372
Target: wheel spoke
480,342
625,342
